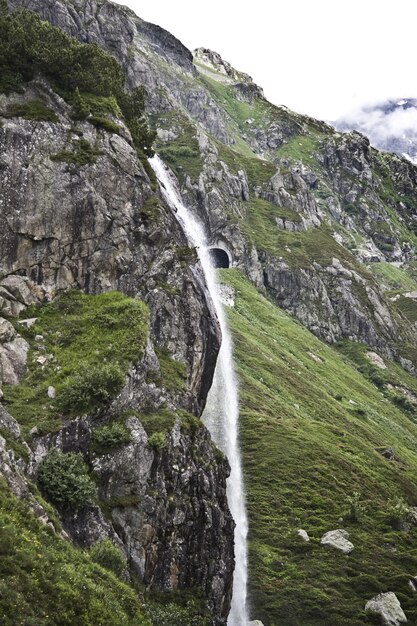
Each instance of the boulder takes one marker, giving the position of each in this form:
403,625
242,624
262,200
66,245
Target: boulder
13,354
338,539
388,607
303,534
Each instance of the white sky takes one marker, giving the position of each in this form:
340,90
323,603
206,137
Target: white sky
320,57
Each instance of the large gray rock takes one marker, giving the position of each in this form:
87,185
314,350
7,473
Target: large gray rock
338,539
13,354
388,607
166,507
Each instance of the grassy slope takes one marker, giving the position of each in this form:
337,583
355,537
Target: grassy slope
306,450
45,580
81,334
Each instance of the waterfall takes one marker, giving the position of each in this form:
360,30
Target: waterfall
222,410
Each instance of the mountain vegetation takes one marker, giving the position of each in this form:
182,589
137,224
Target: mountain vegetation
113,495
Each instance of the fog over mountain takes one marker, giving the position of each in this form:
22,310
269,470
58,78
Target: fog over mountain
391,125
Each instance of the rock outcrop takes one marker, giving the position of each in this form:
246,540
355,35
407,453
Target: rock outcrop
388,607
339,540
165,506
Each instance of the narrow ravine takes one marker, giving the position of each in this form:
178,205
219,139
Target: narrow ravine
222,411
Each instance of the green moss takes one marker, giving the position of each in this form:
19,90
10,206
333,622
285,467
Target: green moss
153,423
306,451
15,445
150,209
87,339
182,154
107,555
257,170
34,110
45,580
408,307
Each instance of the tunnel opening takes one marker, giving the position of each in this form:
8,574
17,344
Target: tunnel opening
219,258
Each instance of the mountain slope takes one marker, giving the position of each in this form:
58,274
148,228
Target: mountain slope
316,222
314,433
390,125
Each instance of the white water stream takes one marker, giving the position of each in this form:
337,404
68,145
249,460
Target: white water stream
222,410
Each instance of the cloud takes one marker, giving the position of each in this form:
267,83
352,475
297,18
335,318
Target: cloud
390,125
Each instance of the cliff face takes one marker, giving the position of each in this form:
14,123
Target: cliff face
78,211
250,168
318,221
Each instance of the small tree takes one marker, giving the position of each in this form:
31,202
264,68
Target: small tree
64,479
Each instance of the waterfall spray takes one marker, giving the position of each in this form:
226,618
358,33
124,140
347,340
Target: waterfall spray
222,410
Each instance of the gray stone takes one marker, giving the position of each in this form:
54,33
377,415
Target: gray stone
338,539
28,323
303,534
7,331
388,607
13,358
51,392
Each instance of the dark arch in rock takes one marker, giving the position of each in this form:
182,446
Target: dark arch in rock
219,257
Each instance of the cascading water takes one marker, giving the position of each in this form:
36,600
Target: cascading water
222,410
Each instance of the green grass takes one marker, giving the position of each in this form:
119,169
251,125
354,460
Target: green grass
45,580
83,335
301,148
393,278
408,307
257,170
306,451
173,373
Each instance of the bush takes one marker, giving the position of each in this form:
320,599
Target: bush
107,555
64,479
90,388
398,513
189,615
80,72
81,154
356,508
157,441
32,110
108,437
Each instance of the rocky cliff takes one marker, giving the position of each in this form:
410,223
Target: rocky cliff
79,212
320,223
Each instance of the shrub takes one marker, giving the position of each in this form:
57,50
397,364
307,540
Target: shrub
90,388
33,110
64,479
157,441
105,124
189,615
108,437
356,508
398,513
107,555
81,154
79,71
